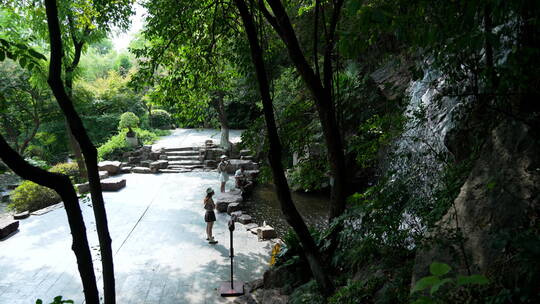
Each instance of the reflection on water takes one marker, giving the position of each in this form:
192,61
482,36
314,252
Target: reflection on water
263,205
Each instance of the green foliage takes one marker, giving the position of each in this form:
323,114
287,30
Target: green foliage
160,119
307,294
36,162
357,292
69,169
128,120
57,300
309,174
31,196
438,279
374,136
113,148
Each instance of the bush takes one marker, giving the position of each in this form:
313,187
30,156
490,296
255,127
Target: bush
128,120
114,147
117,145
160,119
69,169
31,196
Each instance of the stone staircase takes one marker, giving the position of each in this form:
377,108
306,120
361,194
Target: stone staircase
186,158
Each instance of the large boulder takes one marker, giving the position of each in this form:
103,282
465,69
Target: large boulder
233,207
112,167
236,163
7,226
493,208
113,184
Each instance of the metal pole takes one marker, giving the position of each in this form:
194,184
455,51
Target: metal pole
232,257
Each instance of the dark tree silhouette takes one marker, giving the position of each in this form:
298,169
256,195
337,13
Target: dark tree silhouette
274,156
62,185
88,149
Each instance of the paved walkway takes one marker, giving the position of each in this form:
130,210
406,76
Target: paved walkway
161,255
192,137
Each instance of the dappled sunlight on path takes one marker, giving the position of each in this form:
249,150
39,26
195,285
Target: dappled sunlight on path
160,252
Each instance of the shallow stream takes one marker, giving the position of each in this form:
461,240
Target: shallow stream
263,205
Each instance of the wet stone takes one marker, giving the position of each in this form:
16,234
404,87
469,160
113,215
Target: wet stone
251,226
221,206
233,207
245,219
236,214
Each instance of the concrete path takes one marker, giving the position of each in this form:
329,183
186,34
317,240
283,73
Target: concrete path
194,137
161,255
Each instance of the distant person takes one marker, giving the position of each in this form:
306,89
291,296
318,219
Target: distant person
242,181
222,170
209,216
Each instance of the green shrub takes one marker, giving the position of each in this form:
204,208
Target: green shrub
128,120
117,145
69,169
357,292
31,196
161,119
308,293
114,147
146,137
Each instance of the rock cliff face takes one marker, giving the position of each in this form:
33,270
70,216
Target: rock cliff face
498,202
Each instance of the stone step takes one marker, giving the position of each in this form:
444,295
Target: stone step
185,167
193,157
173,171
185,163
179,149
182,153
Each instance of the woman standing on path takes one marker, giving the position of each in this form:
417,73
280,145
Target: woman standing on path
209,216
222,169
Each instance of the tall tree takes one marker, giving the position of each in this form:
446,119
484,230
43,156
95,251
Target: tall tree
320,86
274,156
88,149
187,58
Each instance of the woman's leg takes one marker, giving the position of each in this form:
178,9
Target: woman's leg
210,225
208,230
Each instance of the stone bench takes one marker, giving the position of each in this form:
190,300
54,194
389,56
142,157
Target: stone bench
7,227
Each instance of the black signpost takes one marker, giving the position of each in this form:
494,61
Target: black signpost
231,288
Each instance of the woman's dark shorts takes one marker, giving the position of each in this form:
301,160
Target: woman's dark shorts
210,216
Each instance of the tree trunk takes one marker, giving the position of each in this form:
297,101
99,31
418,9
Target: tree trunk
88,149
224,142
287,206
322,96
62,185
218,104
